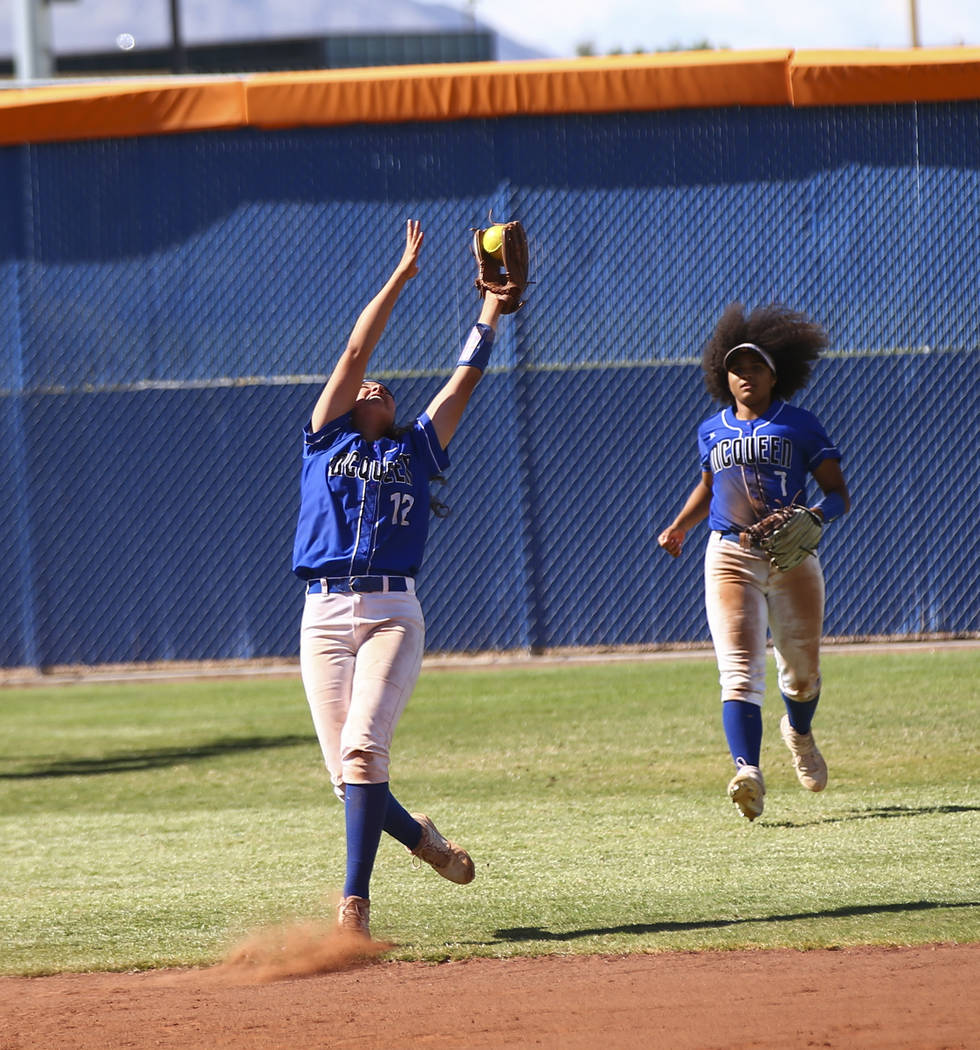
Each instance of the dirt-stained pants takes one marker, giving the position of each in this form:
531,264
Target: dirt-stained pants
744,595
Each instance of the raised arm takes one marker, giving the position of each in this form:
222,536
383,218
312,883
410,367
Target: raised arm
502,276
337,397
447,407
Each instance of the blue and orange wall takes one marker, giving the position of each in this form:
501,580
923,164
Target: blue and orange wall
182,260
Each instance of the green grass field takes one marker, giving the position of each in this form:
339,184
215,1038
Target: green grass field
154,824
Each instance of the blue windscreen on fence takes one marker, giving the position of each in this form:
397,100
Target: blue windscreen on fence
173,304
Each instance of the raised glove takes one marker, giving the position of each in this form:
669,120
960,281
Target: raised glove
787,535
504,272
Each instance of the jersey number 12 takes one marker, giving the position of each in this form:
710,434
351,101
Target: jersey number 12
403,503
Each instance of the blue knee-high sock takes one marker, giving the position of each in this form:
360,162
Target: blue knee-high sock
364,815
401,825
800,712
743,731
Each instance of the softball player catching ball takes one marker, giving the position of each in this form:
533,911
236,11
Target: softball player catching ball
756,454
360,537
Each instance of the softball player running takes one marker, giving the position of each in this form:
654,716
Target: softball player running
360,537
756,454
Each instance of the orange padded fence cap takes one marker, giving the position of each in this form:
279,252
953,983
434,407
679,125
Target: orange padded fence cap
833,78
399,94
118,109
502,89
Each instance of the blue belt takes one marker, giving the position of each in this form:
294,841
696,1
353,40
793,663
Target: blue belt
361,584
731,536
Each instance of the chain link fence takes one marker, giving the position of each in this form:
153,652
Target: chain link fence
173,305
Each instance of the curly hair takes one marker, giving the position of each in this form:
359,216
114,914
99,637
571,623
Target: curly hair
790,338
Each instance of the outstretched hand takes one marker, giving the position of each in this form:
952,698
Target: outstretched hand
408,265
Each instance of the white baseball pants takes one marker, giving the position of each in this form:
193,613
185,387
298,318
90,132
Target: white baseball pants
360,657
744,595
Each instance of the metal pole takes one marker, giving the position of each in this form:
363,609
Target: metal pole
914,23
177,50
33,59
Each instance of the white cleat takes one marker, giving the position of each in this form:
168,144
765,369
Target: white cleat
354,916
451,861
811,770
747,790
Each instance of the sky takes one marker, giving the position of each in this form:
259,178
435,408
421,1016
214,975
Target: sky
550,27
559,26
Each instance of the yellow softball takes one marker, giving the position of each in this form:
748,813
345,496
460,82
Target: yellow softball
493,239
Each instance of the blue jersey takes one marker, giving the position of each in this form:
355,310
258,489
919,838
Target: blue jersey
364,505
760,464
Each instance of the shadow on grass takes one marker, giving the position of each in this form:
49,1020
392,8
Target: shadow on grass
152,758
877,813
537,933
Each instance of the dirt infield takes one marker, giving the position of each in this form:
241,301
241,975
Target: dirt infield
860,999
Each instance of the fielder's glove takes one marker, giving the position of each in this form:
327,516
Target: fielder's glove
787,535
506,276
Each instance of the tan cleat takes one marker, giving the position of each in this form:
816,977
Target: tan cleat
451,861
747,790
811,770
354,916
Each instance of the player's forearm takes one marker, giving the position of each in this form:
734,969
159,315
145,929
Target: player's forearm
374,318
348,373
447,407
695,509
490,311
836,500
